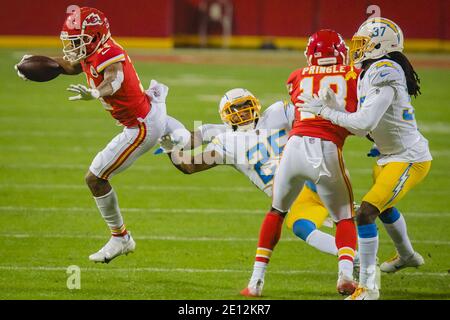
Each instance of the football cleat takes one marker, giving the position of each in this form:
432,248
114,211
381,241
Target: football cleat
254,290
115,247
397,263
362,293
346,285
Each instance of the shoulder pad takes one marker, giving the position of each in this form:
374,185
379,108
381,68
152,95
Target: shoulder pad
107,56
385,73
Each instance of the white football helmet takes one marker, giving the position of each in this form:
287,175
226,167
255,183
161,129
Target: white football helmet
375,38
239,109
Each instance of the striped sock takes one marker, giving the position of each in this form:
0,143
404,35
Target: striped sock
108,205
346,243
119,232
395,225
268,238
368,247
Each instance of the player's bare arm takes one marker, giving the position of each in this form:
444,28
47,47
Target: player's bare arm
42,68
192,164
113,78
68,67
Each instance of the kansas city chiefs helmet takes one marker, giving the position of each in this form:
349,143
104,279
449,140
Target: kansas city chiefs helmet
326,47
83,32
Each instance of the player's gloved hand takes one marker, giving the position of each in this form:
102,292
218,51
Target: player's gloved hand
20,74
328,97
178,140
157,92
312,104
167,143
84,93
374,152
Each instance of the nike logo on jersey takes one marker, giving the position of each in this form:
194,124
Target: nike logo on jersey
103,52
383,74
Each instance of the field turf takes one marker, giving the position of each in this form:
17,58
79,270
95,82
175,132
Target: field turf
196,235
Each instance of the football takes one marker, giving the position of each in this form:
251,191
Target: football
40,68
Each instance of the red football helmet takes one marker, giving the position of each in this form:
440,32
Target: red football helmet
326,47
83,32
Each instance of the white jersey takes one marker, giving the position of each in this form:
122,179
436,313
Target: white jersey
396,134
391,123
256,153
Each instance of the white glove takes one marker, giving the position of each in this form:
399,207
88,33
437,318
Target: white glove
167,143
20,74
157,92
175,140
311,104
328,97
84,93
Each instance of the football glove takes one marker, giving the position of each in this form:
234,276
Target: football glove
374,152
84,93
20,74
312,104
157,92
167,143
328,97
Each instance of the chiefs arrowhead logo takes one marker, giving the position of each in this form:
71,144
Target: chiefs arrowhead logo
92,19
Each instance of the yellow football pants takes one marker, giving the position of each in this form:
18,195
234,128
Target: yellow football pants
307,206
393,180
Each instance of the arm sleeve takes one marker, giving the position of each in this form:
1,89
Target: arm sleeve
218,145
369,114
177,131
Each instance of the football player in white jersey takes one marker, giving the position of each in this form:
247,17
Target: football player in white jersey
253,143
385,112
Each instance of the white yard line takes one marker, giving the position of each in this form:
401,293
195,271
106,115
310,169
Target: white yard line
193,270
152,168
15,209
177,238
49,186
31,186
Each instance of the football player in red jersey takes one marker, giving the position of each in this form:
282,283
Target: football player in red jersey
314,152
112,79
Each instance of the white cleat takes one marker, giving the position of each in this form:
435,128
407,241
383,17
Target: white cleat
115,247
253,290
362,293
397,263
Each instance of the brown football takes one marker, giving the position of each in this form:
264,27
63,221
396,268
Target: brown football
40,68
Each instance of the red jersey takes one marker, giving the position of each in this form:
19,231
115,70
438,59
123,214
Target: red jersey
309,80
129,103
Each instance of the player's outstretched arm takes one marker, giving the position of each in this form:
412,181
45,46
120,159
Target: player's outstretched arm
69,68
189,164
42,68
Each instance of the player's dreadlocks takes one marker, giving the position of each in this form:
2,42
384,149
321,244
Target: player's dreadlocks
412,78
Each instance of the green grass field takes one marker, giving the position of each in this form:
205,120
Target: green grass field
196,235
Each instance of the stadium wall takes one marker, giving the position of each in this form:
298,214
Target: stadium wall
255,23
